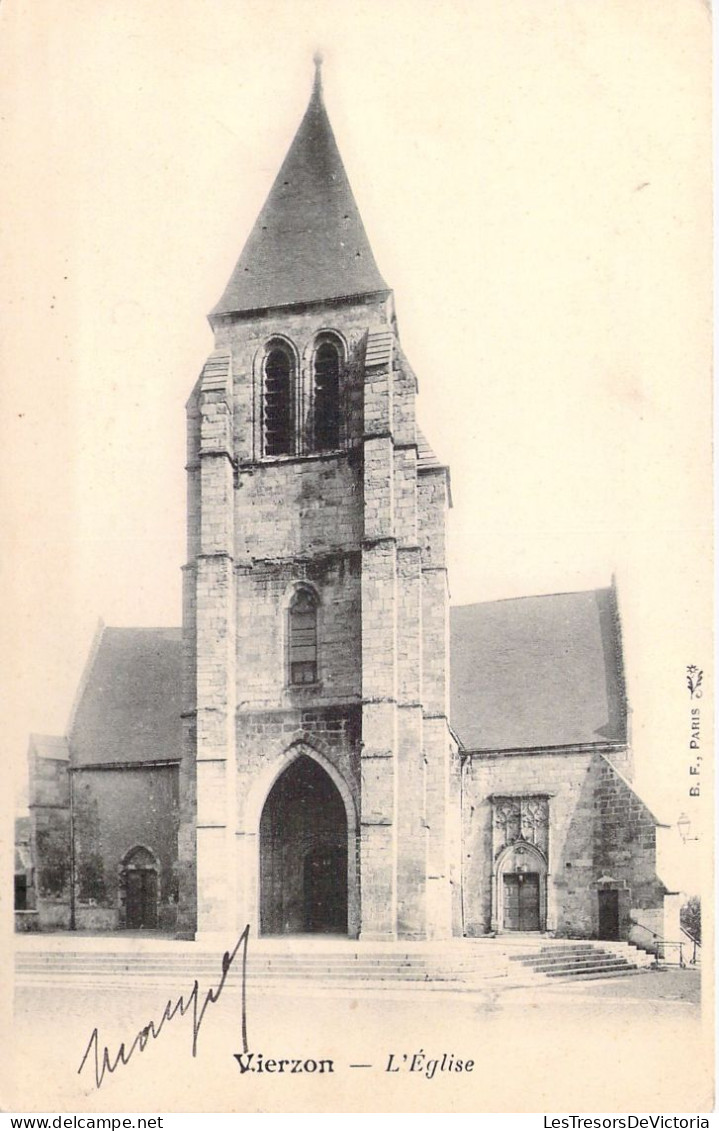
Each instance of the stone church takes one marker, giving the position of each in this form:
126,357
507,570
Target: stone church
326,745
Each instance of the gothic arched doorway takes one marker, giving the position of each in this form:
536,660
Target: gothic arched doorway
139,889
303,854
520,889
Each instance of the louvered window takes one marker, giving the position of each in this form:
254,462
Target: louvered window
303,638
277,403
327,396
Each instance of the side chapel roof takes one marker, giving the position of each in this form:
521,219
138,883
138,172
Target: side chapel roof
538,672
129,707
525,673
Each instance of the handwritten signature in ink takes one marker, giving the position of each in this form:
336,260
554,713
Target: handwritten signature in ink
105,1064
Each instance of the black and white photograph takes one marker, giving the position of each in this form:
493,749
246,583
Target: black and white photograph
358,508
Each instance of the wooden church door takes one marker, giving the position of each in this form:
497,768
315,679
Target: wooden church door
608,914
141,899
325,890
521,901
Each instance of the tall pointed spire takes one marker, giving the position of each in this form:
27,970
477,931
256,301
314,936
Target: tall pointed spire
318,60
308,243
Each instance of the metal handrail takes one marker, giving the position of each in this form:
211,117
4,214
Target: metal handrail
662,946
653,940
695,944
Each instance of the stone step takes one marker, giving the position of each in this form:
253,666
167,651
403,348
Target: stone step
548,960
291,975
567,960
235,975
582,961
551,952
109,967
607,969
301,988
325,960
586,968
567,947
491,962
100,963
576,960
258,960
157,980
604,973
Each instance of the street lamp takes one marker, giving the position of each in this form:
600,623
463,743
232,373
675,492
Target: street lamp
684,825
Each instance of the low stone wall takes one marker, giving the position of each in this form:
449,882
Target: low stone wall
54,916
26,921
92,918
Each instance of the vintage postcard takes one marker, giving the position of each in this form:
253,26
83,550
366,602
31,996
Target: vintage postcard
357,385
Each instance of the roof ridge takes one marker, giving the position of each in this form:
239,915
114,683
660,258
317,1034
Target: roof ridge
533,597
143,627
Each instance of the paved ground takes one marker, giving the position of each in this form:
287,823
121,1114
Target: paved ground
633,1044
668,984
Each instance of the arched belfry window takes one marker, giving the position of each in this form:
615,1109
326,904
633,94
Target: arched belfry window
303,637
277,415
327,363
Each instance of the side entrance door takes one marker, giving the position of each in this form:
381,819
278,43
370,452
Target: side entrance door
608,914
141,899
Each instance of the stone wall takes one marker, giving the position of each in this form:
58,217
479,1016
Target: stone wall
297,508
264,737
114,812
625,844
569,782
264,593
600,836
49,795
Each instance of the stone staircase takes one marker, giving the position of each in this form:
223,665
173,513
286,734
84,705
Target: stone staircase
460,965
355,970
584,961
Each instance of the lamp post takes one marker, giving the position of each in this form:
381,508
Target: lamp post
684,825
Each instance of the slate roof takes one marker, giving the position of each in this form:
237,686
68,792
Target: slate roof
49,746
308,242
537,672
129,708
525,673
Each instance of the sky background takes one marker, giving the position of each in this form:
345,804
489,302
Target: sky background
534,181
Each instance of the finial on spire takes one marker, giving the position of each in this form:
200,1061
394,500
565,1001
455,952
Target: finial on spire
318,59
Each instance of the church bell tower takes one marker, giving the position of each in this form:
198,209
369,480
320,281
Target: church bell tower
319,785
